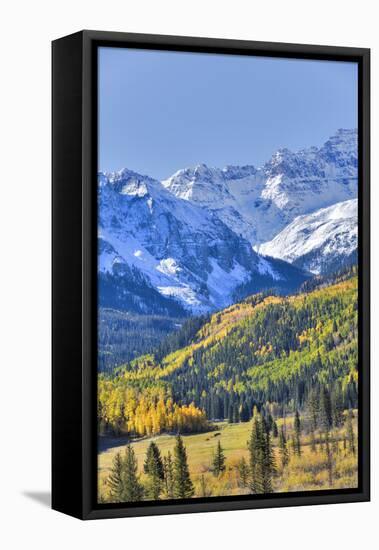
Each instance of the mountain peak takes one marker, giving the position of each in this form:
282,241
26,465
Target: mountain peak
128,182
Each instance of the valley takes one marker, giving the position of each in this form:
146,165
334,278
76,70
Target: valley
313,469
261,362
228,327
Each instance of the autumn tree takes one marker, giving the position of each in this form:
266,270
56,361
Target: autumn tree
205,490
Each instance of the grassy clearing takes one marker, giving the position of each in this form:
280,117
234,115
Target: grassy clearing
306,472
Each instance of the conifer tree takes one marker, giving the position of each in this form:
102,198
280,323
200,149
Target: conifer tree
297,433
153,467
183,487
230,413
218,465
293,444
256,449
153,458
338,407
236,414
326,416
269,465
283,449
243,472
313,413
329,459
275,431
133,490
244,414
350,432
269,423
168,467
262,466
115,481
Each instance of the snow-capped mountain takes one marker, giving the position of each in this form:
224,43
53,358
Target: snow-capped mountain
321,242
259,203
158,252
206,236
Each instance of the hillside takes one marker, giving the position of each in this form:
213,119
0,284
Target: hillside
264,349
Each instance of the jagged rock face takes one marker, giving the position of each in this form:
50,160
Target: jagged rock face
179,249
187,243
260,203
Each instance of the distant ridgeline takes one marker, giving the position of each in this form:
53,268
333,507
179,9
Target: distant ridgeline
264,349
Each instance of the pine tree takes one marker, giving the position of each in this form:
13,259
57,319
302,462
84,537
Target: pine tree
168,467
256,449
283,449
262,465
230,413
329,459
218,465
153,467
275,432
326,416
153,457
297,431
236,414
338,407
350,432
183,487
293,444
313,413
269,465
243,472
133,490
244,414
115,481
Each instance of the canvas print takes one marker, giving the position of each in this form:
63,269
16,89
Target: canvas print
227,275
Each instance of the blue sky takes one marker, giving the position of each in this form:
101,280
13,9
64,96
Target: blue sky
162,111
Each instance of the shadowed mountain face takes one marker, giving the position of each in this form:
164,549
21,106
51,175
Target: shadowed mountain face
185,245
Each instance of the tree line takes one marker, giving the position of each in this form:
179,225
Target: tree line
144,411
168,475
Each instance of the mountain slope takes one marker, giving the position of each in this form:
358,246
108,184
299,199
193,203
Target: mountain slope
181,254
321,242
259,203
266,348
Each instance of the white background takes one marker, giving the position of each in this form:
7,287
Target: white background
27,29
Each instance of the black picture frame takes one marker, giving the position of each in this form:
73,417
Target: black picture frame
74,294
